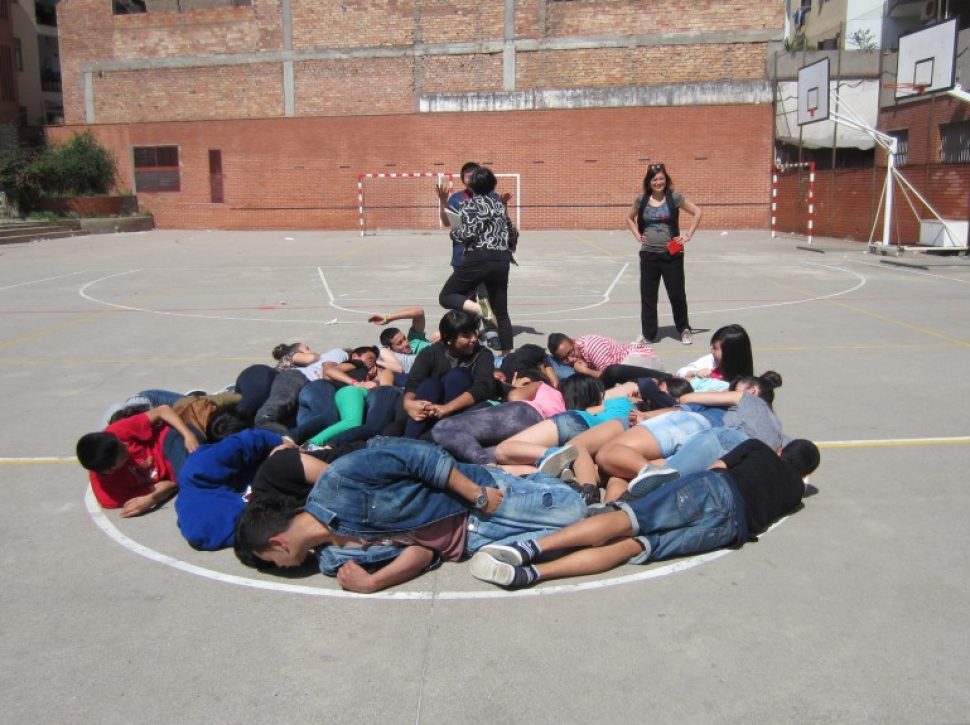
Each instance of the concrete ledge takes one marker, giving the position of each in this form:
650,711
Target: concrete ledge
110,225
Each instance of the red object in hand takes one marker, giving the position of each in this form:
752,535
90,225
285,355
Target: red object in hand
675,246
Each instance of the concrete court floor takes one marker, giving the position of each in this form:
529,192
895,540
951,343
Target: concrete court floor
852,610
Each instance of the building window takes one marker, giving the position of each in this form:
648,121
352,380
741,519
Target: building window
128,7
157,168
955,143
8,81
18,54
4,9
215,176
902,146
45,13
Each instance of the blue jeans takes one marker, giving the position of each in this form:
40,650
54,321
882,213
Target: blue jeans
316,409
702,449
672,429
161,397
533,507
691,515
569,425
452,384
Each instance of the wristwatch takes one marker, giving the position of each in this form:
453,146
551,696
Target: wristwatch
481,500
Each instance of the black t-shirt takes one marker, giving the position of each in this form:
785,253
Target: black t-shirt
769,486
358,374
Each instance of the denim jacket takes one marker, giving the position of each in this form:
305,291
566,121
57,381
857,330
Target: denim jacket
393,486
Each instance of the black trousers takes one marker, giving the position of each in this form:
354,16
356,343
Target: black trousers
653,268
494,274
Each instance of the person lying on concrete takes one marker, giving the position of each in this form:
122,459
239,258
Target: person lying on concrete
383,515
746,491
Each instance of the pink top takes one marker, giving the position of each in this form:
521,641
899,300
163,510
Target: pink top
600,352
547,401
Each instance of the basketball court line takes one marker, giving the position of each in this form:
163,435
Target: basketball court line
45,279
535,317
102,521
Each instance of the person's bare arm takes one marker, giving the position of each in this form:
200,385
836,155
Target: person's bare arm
302,359
443,192
696,214
581,366
415,314
338,374
719,400
409,563
463,486
388,360
168,416
631,222
163,491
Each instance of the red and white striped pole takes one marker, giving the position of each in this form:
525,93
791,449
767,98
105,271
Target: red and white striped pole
810,165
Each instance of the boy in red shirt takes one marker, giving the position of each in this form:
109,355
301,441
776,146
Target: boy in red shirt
134,461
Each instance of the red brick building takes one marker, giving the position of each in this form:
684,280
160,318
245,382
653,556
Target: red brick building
261,113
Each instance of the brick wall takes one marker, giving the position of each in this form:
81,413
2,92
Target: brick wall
846,202
111,46
579,168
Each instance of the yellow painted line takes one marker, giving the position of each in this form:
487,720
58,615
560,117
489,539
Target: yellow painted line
594,245
41,332
874,443
39,461
883,318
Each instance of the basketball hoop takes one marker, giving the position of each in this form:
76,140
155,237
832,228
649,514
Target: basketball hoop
915,89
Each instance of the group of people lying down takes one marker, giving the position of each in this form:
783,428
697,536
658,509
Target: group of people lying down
382,462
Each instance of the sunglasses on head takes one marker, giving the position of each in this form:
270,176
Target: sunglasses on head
656,167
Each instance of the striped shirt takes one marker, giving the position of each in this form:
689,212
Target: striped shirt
600,352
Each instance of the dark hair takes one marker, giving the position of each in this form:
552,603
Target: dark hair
581,391
225,423
454,323
802,455
555,340
358,351
736,359
284,349
767,383
258,523
128,411
466,167
653,170
387,334
99,452
534,375
483,181
678,386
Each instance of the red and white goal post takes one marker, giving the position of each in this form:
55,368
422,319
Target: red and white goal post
406,201
793,200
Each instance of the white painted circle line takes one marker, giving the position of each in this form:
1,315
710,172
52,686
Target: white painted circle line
103,523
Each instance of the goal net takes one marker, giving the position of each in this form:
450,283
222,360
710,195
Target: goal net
408,201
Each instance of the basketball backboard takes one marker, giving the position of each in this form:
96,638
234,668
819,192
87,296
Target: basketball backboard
813,92
927,60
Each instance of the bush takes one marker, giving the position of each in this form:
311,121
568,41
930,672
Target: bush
79,167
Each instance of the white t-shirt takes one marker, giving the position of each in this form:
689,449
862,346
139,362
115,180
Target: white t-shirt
314,371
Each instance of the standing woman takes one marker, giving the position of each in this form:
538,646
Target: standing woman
654,221
489,239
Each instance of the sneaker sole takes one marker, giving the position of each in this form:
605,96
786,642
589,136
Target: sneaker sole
489,569
642,486
555,463
504,554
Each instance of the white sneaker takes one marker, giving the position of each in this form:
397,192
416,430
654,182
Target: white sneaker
640,339
490,569
685,338
553,462
650,478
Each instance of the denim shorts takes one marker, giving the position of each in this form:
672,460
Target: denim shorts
672,429
569,425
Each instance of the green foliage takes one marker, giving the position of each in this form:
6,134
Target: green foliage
79,167
864,40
